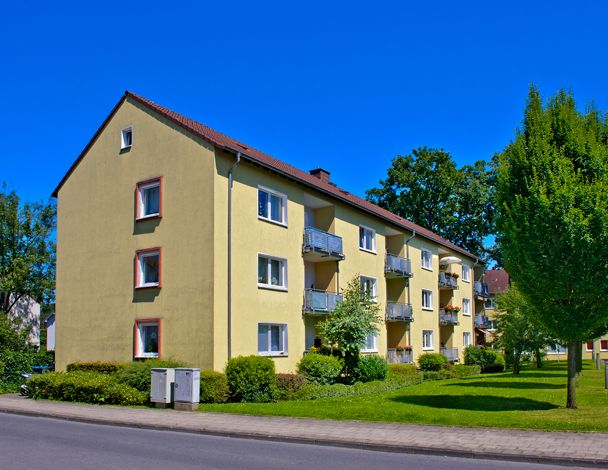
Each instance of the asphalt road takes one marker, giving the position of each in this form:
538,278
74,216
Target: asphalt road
42,443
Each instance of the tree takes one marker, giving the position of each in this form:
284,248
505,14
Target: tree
355,318
517,330
427,188
552,199
27,253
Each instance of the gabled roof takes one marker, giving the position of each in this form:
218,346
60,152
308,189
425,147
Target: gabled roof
249,153
497,280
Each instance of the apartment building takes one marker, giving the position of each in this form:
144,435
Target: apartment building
174,240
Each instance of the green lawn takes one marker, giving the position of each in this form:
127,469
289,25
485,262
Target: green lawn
535,399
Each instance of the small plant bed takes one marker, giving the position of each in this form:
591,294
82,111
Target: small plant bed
530,400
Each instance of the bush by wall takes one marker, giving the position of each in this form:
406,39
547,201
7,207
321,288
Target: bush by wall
399,370
498,365
315,391
319,368
137,374
488,359
214,387
461,370
99,366
87,387
432,362
288,385
251,379
371,367
17,363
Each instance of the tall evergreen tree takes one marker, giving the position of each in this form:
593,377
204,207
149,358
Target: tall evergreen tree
553,219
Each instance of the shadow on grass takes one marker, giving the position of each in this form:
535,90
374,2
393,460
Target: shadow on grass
475,402
522,375
511,384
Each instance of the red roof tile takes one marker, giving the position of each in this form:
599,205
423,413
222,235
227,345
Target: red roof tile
497,280
222,141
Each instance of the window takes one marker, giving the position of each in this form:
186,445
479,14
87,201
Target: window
466,338
589,345
148,268
272,206
427,299
466,306
604,345
426,259
558,349
371,344
427,339
126,138
367,239
492,325
147,338
272,272
368,284
148,199
489,303
466,273
272,339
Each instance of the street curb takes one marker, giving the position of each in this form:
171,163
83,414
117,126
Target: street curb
590,463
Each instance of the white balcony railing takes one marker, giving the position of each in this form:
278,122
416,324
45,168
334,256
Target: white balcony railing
448,318
318,241
482,321
396,311
397,266
399,357
320,301
447,281
450,353
481,289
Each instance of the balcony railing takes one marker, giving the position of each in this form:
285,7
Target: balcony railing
481,289
396,266
396,311
399,357
450,353
323,244
447,282
320,301
447,318
482,321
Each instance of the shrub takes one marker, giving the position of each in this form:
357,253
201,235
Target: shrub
437,374
432,362
402,370
461,370
98,366
288,385
87,387
251,379
17,363
214,387
498,365
371,367
320,369
315,391
1,368
475,356
138,374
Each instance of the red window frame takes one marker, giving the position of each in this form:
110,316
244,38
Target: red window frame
589,346
138,253
604,345
136,339
158,180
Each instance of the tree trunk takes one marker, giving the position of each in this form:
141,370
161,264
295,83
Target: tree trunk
539,359
516,358
579,357
572,363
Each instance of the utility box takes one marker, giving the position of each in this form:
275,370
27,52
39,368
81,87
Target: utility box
187,388
161,393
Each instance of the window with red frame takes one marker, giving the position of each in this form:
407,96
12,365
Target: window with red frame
147,338
589,345
148,199
604,345
148,268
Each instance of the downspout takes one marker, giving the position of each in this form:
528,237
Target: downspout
236,163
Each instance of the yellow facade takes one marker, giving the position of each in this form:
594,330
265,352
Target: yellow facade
97,304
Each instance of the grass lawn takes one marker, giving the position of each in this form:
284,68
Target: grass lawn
535,400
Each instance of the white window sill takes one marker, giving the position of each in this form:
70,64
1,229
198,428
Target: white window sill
466,280
271,287
428,309
275,222
149,216
147,356
428,349
126,147
148,286
427,269
273,354
373,252
466,314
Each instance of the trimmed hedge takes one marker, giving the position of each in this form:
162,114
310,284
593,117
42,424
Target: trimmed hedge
251,379
371,367
98,366
432,362
17,363
86,387
214,387
319,368
316,391
461,370
137,374
400,370
288,385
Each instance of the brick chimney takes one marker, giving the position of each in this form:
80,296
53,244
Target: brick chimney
320,173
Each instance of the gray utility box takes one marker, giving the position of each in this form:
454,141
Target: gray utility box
161,391
187,388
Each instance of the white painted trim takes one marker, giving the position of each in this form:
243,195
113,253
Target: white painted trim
140,345
432,339
429,307
283,287
375,348
140,190
285,336
284,200
140,261
122,137
374,245
426,268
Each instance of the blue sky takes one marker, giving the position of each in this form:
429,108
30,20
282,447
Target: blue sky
344,85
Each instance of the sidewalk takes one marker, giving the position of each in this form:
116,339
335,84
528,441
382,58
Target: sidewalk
563,448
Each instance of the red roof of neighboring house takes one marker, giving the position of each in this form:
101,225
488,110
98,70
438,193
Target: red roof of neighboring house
497,280
224,142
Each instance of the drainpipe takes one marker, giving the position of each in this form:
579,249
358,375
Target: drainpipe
407,255
236,163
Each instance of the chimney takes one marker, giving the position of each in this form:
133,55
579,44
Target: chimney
320,173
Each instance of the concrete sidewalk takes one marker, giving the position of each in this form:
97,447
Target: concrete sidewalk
560,448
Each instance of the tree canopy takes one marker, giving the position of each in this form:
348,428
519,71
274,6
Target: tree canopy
552,195
427,188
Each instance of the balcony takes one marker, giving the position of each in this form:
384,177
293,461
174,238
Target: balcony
447,281
393,356
480,290
320,302
450,353
448,318
396,311
396,266
482,321
321,246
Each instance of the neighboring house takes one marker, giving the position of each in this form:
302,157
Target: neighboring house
158,255
50,332
26,314
496,281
